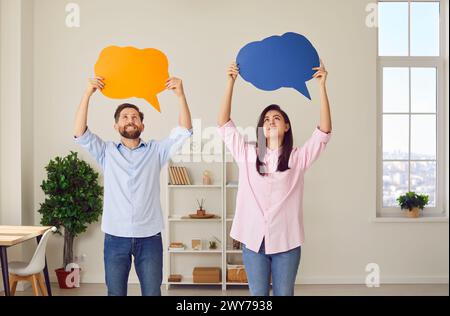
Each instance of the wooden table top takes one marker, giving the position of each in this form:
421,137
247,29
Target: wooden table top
11,235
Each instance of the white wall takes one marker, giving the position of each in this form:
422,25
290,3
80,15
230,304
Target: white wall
446,111
16,115
10,129
200,38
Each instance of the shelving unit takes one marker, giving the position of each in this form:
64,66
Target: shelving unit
219,199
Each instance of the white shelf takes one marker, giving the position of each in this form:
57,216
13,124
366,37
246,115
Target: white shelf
179,219
234,251
189,280
196,158
195,186
196,154
190,251
178,204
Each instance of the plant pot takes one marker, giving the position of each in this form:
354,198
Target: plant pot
201,212
413,213
64,282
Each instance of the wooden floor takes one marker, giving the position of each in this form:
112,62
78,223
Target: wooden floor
90,289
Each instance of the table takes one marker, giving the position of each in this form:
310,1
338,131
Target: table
13,235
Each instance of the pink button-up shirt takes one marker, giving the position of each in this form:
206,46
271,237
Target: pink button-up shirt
270,207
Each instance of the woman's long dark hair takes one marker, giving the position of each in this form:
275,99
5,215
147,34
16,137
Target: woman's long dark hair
288,140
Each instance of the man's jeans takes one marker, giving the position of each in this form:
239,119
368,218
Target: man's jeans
147,253
283,266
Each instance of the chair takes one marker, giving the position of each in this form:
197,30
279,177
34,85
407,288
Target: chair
31,271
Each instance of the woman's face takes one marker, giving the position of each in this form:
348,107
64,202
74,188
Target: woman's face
274,125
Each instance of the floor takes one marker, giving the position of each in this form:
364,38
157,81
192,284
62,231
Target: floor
90,289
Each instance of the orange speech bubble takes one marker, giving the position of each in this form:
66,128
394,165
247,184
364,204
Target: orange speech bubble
132,72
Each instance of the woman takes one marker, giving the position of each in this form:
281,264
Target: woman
269,214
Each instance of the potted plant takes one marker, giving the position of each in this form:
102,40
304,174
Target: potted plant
73,200
213,243
413,203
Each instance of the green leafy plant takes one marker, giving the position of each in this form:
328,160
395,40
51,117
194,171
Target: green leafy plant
410,200
212,244
73,198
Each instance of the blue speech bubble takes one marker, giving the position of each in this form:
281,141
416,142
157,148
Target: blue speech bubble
279,61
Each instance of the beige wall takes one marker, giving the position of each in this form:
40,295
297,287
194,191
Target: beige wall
200,38
16,117
447,109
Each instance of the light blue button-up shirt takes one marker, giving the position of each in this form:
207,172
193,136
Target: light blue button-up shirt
131,201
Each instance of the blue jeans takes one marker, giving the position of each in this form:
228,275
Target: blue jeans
147,253
283,266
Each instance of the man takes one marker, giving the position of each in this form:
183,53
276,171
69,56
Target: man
132,217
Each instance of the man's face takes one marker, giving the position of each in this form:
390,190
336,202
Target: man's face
129,124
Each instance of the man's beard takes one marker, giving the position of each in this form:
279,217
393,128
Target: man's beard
130,134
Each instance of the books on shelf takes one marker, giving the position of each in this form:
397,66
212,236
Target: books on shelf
179,176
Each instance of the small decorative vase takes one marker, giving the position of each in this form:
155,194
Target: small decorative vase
206,178
201,212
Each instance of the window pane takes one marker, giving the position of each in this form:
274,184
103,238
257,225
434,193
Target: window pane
395,89
423,137
423,90
395,182
424,29
395,137
423,180
393,29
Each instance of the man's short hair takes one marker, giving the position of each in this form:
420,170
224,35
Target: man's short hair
124,106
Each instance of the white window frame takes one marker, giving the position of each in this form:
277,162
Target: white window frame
437,62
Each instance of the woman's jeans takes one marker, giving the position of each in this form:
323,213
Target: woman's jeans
283,266
147,253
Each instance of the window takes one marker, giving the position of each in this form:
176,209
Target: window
411,47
